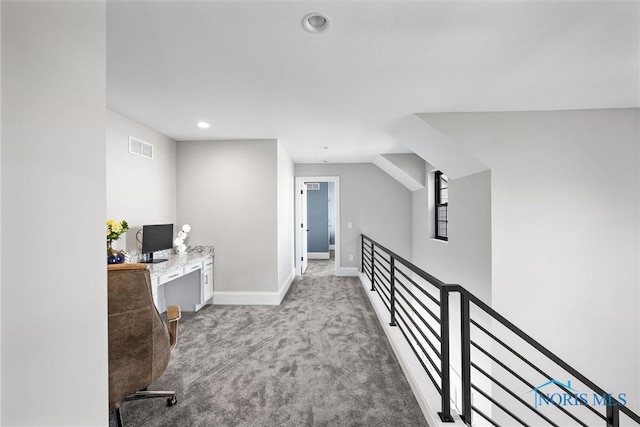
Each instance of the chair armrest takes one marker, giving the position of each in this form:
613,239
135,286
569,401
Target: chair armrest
173,314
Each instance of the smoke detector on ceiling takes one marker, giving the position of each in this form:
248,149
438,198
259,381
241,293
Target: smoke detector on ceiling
316,23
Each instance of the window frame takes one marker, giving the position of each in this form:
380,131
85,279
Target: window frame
439,178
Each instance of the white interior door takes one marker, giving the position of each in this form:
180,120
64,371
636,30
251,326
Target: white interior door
303,227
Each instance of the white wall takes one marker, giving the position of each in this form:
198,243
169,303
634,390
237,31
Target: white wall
140,190
0,213
376,204
285,234
565,231
227,191
54,299
464,259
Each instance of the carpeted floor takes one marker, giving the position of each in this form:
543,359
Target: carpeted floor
318,359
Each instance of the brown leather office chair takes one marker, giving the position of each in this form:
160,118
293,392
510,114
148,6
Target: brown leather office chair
139,341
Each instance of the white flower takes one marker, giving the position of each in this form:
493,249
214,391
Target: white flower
178,241
186,228
182,235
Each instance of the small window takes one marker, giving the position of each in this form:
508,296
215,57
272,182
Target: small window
442,201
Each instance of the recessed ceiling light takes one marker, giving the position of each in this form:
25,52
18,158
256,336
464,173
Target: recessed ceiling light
203,125
324,147
316,23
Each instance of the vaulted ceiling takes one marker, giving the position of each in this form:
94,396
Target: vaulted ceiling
251,71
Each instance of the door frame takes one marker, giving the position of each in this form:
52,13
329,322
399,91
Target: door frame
298,181
302,244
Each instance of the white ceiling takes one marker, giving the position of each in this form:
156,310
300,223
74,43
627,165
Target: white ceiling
252,71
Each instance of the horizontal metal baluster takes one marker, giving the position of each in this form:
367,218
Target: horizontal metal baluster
421,332
483,415
525,382
512,394
540,371
495,402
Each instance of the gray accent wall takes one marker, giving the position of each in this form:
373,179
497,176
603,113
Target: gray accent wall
54,276
228,193
318,219
373,202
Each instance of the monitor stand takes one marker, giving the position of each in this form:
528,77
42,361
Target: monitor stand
148,259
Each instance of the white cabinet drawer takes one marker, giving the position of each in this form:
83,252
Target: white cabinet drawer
167,277
193,267
208,264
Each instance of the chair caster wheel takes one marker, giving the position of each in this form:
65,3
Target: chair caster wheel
172,401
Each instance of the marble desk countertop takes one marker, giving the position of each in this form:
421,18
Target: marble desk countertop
177,261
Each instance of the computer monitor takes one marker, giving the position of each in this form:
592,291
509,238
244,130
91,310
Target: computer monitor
156,238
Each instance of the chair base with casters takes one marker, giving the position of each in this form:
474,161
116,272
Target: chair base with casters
139,341
146,394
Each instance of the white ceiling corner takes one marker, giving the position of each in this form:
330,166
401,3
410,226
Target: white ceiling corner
251,70
407,169
436,148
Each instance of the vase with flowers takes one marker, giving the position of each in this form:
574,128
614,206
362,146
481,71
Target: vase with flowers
114,230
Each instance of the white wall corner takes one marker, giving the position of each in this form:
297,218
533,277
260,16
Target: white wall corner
436,148
286,285
407,169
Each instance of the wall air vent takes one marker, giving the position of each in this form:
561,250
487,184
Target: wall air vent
140,148
313,186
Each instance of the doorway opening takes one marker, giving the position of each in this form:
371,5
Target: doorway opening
317,221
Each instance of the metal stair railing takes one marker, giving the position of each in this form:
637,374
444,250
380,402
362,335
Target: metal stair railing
419,305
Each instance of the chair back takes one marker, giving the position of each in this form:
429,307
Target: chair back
139,345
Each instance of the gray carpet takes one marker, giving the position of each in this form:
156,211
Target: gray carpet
318,359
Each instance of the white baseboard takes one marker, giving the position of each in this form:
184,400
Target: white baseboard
207,302
246,298
427,396
347,271
254,298
318,255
